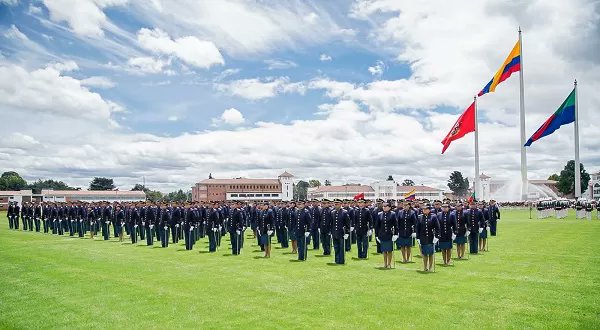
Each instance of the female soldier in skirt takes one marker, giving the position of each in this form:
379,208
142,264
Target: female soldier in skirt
484,233
386,230
264,228
461,230
447,222
406,225
428,229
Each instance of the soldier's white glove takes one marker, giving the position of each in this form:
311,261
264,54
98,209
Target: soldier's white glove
394,238
238,232
219,227
143,223
215,229
151,226
319,230
487,228
351,229
453,236
435,240
135,226
480,230
177,225
467,233
166,227
369,232
269,232
346,236
307,234
414,235
419,241
377,239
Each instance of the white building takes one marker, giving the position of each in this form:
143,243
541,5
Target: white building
385,190
593,191
49,195
340,192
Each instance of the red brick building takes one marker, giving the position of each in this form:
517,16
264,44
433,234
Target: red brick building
244,189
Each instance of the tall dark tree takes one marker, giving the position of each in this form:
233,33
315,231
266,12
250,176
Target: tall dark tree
139,187
327,183
12,181
390,178
566,182
408,182
102,184
458,184
154,196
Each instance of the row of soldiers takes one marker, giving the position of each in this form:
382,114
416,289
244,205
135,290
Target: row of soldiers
560,208
324,223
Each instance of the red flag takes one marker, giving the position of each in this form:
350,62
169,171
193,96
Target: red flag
359,196
465,124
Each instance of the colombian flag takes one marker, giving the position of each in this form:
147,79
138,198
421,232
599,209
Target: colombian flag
411,195
564,115
510,65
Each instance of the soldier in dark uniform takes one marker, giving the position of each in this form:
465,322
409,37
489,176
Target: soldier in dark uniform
325,227
134,223
447,223
292,224
589,208
164,221
10,215
265,228
37,216
91,220
340,229
363,224
475,224
315,216
406,224
281,219
107,215
428,231
46,217
236,228
212,223
120,221
24,213
387,233
301,220
494,216
375,215
484,233
461,230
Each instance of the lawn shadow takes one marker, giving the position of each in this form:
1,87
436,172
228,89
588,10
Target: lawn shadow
322,255
180,250
424,272
205,251
258,251
260,257
334,264
288,253
296,260
359,259
382,268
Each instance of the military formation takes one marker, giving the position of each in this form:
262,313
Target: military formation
559,209
297,225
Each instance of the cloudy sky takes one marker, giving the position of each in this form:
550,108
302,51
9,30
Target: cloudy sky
350,91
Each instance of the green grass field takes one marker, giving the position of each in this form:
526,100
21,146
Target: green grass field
537,274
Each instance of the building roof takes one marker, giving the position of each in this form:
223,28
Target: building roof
240,181
286,174
349,188
483,176
417,188
94,193
16,193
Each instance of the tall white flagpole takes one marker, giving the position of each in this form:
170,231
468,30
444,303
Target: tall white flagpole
477,187
577,164
524,181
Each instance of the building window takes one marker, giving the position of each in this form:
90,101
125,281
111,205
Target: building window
234,195
259,195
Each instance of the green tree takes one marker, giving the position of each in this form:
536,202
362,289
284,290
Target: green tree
554,177
139,187
314,183
154,196
327,183
12,181
408,182
102,184
390,178
458,184
566,182
50,184
301,190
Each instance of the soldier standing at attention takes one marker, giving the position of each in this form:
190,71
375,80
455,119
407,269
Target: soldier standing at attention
447,222
387,227
428,229
406,226
340,229
363,223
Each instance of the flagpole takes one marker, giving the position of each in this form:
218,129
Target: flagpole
476,188
524,181
577,164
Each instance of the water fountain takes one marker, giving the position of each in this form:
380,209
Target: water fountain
510,191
